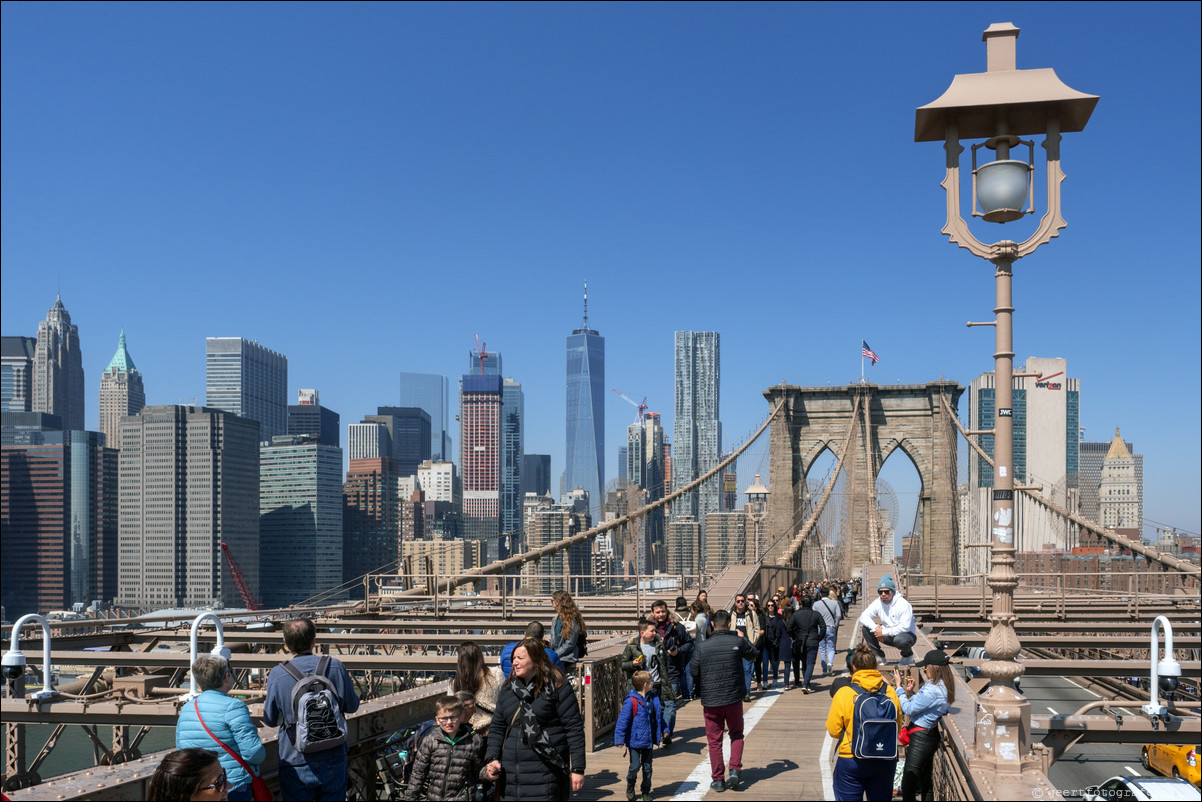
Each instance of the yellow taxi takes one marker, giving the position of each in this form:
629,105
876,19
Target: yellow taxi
1173,761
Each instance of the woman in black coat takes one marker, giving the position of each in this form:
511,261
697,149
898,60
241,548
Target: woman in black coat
806,629
536,739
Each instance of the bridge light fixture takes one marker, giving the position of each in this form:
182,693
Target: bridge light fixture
14,659
1164,675
757,498
220,650
999,106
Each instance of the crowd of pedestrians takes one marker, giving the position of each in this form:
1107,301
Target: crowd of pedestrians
514,731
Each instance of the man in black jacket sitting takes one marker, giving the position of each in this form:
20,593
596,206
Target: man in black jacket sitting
717,670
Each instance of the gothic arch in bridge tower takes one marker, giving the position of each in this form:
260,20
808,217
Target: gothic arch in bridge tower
909,418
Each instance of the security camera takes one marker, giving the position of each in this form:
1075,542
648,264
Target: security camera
1169,684
14,665
1168,673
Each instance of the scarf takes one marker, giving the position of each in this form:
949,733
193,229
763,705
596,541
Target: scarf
533,734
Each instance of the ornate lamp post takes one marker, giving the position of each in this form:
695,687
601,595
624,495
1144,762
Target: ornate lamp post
757,496
999,106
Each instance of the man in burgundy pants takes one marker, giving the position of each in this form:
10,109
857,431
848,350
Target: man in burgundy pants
717,671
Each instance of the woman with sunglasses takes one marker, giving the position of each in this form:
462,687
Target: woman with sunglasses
188,774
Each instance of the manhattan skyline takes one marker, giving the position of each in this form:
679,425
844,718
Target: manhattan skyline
363,189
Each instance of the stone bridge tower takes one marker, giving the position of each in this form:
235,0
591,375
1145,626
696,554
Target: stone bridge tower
907,417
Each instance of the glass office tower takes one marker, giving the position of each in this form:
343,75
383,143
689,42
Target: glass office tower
586,413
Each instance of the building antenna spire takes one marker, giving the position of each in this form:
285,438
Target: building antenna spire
585,326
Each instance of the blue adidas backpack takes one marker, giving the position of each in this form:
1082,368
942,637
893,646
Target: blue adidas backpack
874,725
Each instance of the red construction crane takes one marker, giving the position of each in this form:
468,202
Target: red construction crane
239,580
480,351
642,407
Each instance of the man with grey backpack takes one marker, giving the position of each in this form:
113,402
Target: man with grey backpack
308,697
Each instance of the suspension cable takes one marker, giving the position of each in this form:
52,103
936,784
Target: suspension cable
1153,555
501,566
808,526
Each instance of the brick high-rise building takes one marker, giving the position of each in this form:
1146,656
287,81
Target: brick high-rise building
121,392
59,522
369,518
189,481
480,401
58,380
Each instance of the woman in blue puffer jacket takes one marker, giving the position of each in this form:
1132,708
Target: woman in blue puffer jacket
228,720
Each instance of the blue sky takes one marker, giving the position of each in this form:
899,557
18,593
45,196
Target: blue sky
364,187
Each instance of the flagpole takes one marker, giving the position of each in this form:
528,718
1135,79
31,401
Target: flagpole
861,363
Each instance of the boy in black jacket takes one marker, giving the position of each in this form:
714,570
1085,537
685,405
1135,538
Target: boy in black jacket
449,758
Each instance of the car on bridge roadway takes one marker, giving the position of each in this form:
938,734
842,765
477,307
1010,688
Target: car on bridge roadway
1127,789
1173,760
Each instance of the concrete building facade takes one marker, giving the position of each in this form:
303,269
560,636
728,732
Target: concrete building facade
249,380
188,482
300,519
16,373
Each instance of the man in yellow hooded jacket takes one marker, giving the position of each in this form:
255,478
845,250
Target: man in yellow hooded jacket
855,778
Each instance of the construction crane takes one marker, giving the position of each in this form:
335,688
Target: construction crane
641,406
483,354
239,580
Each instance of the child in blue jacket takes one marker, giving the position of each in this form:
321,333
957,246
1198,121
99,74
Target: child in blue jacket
640,727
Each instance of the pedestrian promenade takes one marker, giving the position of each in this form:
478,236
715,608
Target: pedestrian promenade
786,753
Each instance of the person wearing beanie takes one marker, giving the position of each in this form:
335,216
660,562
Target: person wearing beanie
889,620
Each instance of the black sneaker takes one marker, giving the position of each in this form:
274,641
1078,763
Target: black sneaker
718,786
732,781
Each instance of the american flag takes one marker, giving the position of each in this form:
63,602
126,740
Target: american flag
868,352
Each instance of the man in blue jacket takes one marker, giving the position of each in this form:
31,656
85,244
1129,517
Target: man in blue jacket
317,775
536,631
227,720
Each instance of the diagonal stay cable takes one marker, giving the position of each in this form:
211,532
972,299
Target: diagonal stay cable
501,566
808,526
1167,560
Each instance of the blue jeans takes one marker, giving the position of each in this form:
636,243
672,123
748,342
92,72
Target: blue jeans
687,678
748,673
826,650
640,758
323,779
669,706
856,779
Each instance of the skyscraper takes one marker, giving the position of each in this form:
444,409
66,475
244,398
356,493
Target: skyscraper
1092,457
58,381
409,433
248,380
58,501
300,519
645,469
585,458
121,392
189,481
480,401
697,430
16,373
536,474
308,417
1120,491
513,413
430,392
1046,409
370,530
